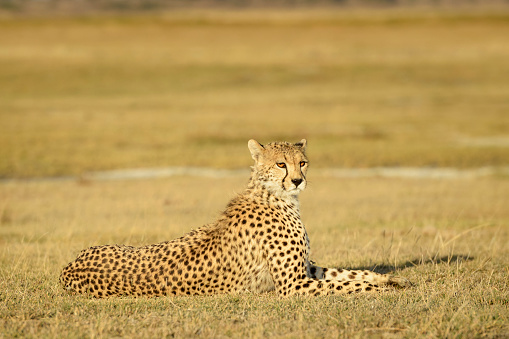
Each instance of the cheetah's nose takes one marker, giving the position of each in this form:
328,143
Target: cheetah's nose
297,182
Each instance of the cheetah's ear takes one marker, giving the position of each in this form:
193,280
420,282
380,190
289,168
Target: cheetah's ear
302,144
255,148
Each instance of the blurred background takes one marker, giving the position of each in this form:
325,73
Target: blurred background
93,85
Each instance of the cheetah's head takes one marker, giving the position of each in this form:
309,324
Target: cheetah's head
280,166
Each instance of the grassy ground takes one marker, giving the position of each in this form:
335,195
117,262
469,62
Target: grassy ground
367,89
449,237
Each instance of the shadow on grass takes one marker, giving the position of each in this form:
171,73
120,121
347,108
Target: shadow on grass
448,259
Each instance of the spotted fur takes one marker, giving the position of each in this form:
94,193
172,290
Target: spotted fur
258,244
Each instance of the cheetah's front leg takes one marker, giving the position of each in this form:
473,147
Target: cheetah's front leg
317,272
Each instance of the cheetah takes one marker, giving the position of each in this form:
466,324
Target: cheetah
258,244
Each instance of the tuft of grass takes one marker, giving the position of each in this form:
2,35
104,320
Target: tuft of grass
449,237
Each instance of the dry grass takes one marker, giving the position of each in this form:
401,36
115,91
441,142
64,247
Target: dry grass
449,237
367,89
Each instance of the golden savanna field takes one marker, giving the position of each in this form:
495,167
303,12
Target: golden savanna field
366,88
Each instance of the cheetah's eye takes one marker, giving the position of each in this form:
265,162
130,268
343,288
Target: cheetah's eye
303,163
281,165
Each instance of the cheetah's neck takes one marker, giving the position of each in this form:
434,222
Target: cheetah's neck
258,192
